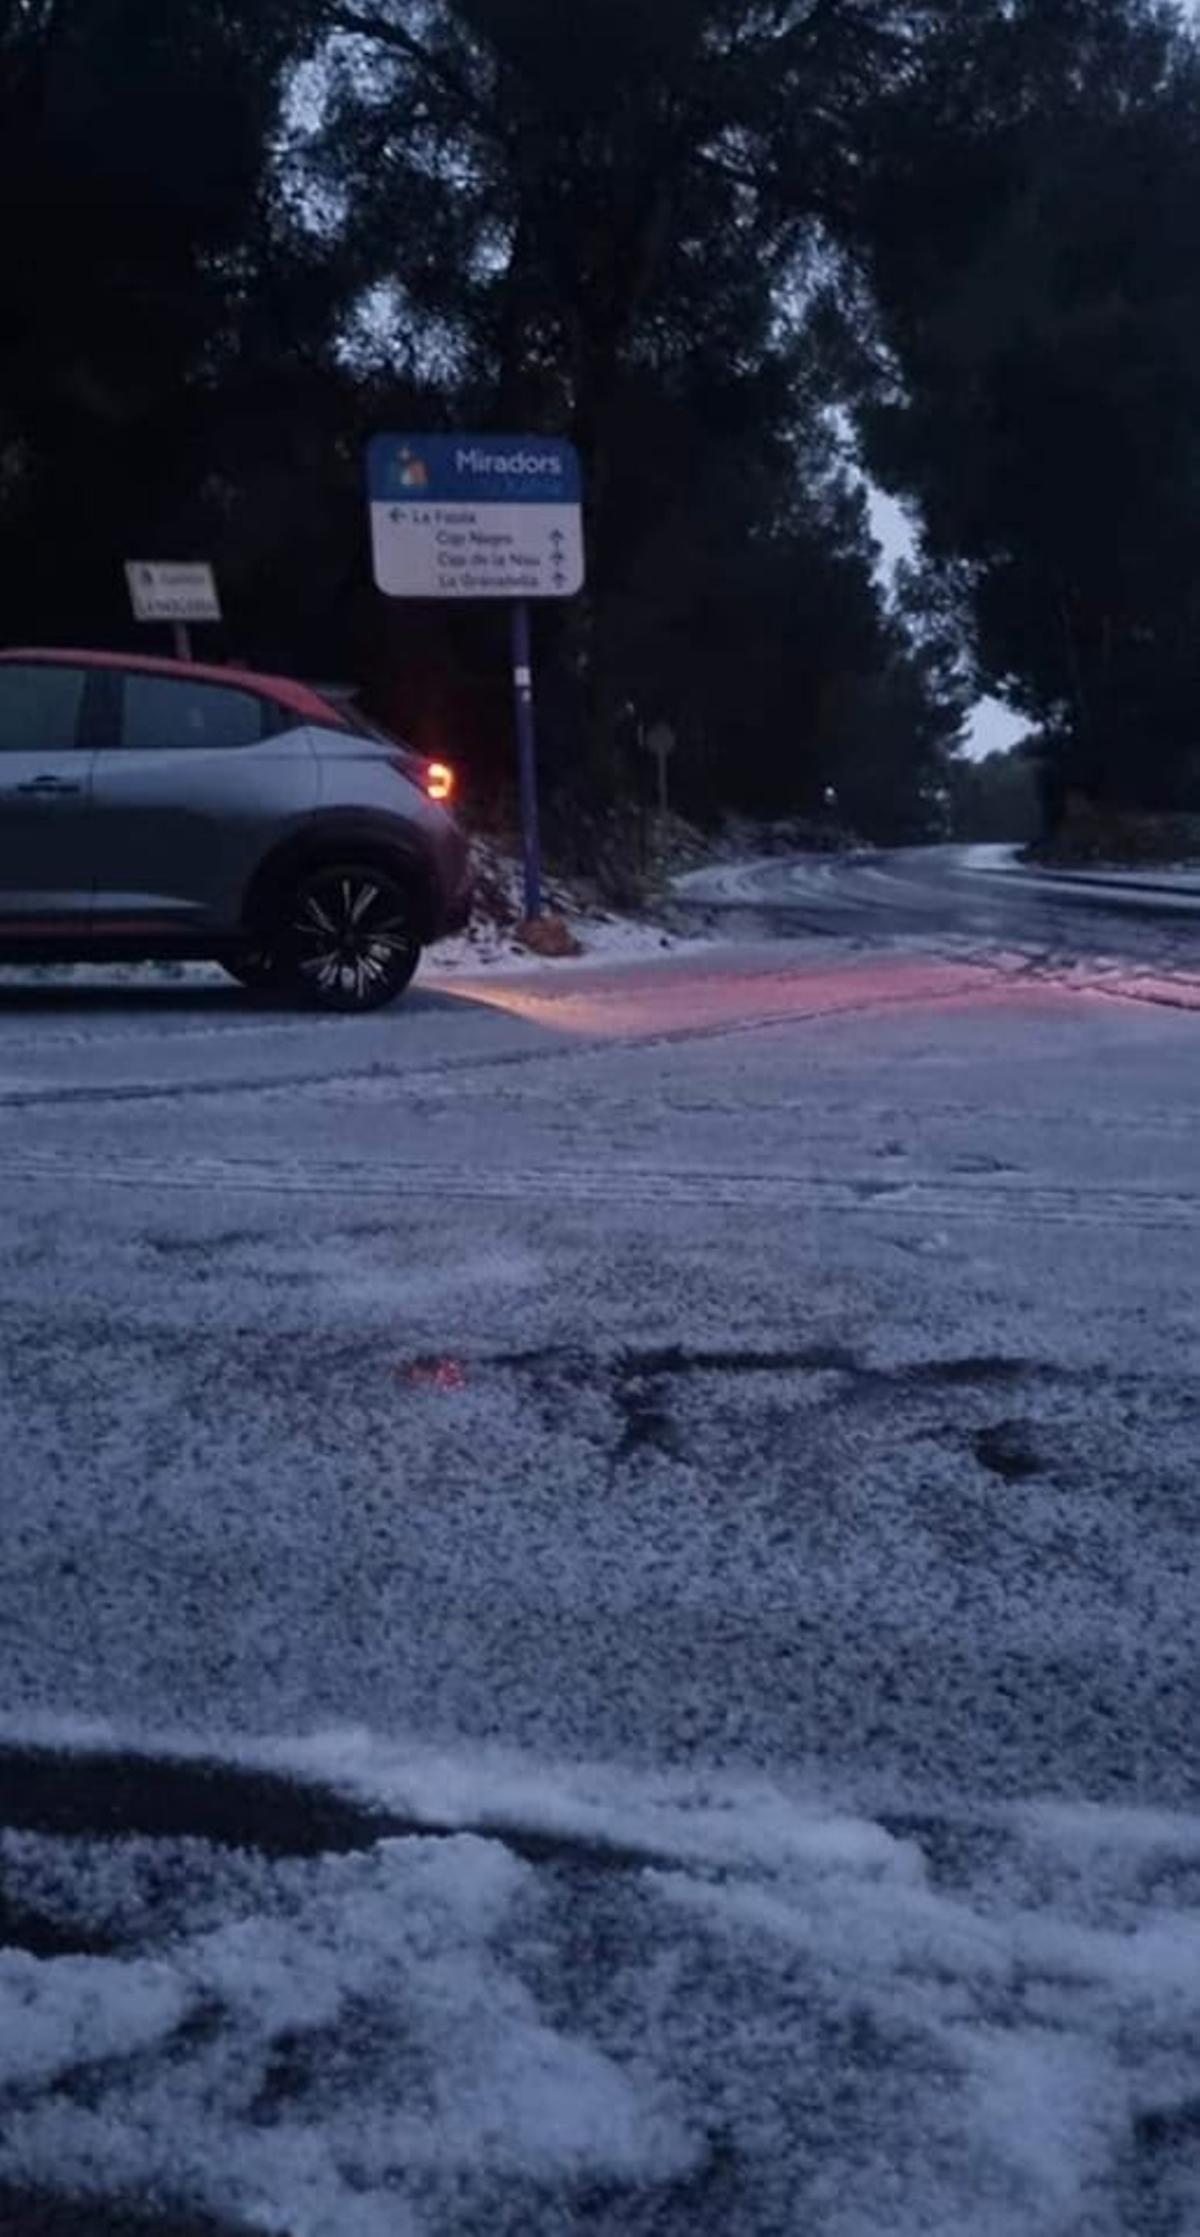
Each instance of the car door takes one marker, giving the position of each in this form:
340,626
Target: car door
192,781
45,797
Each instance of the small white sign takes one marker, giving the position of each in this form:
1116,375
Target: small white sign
169,590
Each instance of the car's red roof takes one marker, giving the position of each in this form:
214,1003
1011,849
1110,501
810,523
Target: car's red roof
300,699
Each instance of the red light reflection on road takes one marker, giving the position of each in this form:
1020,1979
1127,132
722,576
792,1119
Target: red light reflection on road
435,1374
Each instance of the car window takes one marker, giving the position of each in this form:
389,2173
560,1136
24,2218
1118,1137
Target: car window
39,707
174,711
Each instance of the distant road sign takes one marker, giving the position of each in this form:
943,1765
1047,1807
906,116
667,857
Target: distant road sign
660,741
475,516
166,590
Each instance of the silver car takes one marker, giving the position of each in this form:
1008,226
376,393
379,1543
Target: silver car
153,808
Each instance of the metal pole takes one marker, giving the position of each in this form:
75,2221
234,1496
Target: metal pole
522,666
662,781
182,638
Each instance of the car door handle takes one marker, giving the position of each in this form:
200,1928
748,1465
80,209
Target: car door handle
49,785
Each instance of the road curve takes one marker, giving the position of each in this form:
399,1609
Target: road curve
951,893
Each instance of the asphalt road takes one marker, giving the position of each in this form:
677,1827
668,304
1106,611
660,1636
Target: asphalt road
955,896
598,1586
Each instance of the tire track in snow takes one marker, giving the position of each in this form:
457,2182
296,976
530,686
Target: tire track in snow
949,1196
775,1010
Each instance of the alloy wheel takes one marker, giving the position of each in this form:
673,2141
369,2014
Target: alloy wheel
349,939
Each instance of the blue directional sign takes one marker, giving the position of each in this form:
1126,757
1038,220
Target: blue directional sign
475,516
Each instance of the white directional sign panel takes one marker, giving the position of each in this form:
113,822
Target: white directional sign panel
475,516
169,590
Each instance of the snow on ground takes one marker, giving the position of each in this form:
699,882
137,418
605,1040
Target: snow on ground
350,2040
603,938
741,879
708,1450
917,873
1160,878
602,934
703,2006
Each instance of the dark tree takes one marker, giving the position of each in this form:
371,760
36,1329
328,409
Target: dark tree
135,232
1029,230
237,235
607,221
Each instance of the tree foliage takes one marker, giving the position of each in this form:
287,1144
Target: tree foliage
136,242
996,798
239,235
1029,230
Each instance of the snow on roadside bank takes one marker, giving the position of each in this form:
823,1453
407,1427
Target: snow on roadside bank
602,939
724,2008
1181,878
602,935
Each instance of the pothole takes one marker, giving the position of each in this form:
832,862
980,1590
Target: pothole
648,1426
975,1368
678,1359
1006,1449
1157,2171
638,1382
43,2213
23,1927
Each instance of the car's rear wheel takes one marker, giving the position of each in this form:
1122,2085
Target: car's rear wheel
344,937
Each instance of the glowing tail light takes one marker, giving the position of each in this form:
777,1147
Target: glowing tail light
439,780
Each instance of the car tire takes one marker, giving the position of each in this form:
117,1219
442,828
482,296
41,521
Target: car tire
344,938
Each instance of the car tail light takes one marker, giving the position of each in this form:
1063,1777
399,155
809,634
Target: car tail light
439,780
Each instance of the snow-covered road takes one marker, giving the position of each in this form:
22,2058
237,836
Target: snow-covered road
692,1468
965,897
